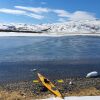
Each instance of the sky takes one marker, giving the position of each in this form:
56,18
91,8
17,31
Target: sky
48,11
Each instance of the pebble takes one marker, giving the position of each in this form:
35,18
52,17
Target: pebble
36,89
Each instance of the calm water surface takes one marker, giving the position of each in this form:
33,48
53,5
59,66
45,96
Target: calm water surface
56,57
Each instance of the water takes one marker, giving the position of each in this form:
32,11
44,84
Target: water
56,57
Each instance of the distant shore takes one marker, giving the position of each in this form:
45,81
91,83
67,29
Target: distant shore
59,34
28,90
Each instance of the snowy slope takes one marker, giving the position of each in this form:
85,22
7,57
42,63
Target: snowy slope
77,26
83,26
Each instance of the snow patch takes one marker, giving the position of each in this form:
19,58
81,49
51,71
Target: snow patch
75,98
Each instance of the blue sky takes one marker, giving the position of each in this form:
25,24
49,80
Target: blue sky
48,11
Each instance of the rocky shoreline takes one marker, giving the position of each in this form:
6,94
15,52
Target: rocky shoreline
28,90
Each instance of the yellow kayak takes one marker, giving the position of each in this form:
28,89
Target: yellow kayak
49,85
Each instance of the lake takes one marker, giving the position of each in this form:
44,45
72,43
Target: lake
56,57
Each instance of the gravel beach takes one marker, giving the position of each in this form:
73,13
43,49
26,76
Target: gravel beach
28,90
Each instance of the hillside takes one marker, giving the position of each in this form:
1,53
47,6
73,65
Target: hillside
83,26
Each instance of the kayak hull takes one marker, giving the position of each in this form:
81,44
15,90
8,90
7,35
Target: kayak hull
49,85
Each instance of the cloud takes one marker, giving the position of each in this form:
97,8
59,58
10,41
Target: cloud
21,12
77,15
61,13
36,16
39,13
82,15
33,9
11,11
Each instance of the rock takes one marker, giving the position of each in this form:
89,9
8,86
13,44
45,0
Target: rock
92,74
70,83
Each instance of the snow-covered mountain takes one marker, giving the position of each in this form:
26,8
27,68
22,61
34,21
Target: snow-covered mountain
83,26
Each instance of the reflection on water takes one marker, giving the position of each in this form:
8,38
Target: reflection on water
49,48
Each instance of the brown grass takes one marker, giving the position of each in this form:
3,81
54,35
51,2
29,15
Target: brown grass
17,95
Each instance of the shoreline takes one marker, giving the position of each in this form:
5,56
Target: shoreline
58,34
28,90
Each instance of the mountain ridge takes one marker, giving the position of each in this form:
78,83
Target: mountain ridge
81,26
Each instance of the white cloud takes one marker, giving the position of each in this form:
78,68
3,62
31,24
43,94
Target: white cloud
11,11
82,15
62,13
33,9
37,13
21,12
78,15
36,16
